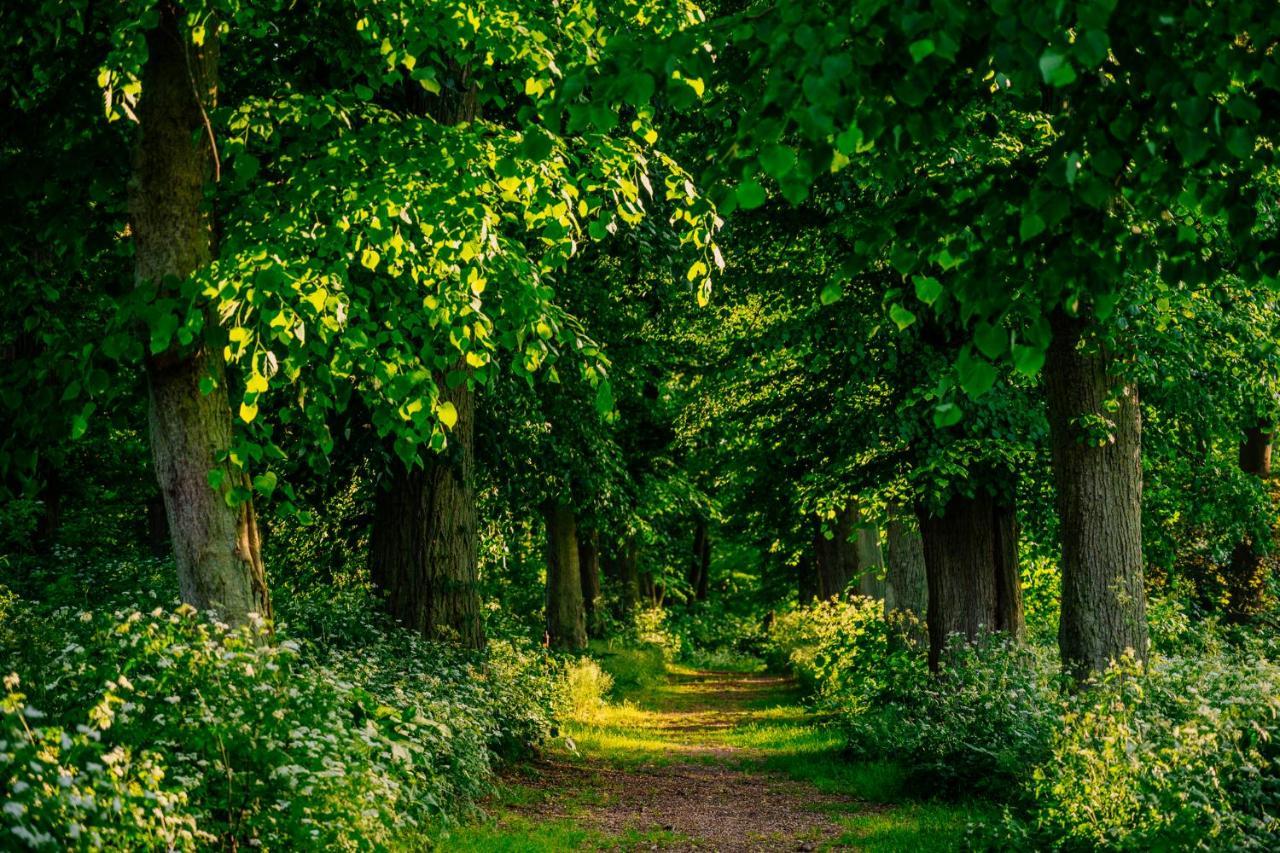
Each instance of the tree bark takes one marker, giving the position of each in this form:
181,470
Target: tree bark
700,561
807,579
1096,431
970,556
422,548
1247,571
566,616
835,559
157,535
216,546
629,575
906,584
704,578
870,562
589,566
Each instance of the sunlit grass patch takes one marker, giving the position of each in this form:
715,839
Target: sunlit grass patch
521,834
910,826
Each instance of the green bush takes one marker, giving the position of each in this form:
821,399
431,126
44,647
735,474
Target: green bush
582,690
1181,754
338,731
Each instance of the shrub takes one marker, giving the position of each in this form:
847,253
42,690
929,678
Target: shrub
341,730
581,690
69,789
1181,756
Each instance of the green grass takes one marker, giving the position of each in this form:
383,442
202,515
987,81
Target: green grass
673,715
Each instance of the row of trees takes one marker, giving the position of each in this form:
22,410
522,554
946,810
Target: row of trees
361,239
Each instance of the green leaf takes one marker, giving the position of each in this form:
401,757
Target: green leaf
1056,68
928,289
604,397
947,414
977,375
1028,360
991,339
750,194
777,160
447,413
921,49
901,316
265,483
831,293
1031,226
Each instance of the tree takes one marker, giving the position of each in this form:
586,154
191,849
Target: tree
210,513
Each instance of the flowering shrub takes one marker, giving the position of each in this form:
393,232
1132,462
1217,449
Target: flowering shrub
64,789
1183,754
166,730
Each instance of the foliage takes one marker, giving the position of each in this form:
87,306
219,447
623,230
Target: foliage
581,690
1177,755
349,733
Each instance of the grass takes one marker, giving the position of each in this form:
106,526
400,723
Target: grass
663,714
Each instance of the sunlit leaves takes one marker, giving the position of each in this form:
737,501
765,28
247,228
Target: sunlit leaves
448,414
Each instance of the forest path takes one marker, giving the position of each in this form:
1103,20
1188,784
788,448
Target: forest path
705,761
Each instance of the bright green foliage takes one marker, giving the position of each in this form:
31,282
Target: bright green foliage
362,739
66,788
1176,755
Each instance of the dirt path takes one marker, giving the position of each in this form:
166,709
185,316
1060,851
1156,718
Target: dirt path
707,761
701,792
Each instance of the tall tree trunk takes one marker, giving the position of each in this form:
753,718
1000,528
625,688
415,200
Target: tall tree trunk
49,521
906,584
807,579
700,561
704,576
1098,473
566,616
216,546
157,536
835,558
970,555
627,559
589,566
422,548
869,557
1247,572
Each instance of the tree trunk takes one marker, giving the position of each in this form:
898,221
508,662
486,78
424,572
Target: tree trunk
906,584
870,561
629,575
157,536
422,548
423,545
807,579
970,556
1098,473
566,616
700,562
216,546
1247,572
835,559
589,566
49,521
704,577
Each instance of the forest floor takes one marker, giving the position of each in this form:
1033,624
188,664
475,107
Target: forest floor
707,761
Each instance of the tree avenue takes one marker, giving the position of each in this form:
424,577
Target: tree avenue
390,390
